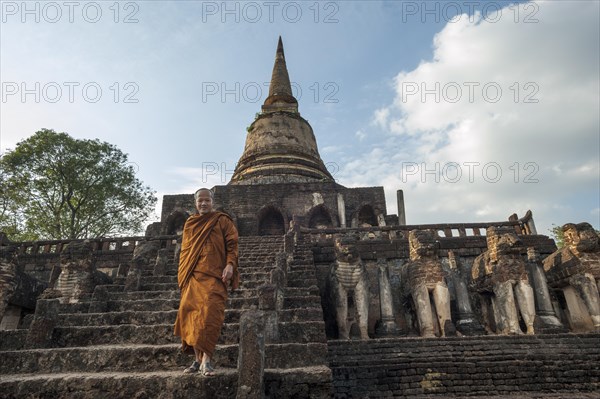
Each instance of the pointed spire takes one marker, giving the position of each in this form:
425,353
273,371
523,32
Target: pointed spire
280,144
280,90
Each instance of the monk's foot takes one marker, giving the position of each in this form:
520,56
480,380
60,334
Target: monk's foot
193,368
207,370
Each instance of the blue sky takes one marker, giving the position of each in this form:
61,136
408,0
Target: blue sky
491,113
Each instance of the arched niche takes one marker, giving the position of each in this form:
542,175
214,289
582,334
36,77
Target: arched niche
366,216
270,221
175,222
319,218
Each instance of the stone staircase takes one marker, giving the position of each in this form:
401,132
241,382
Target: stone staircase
301,353
128,349
558,366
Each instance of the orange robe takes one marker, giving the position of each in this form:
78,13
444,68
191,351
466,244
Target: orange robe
209,243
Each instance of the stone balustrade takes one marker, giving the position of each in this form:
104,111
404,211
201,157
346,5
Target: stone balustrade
118,244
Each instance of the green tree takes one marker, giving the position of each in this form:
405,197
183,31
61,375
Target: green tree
558,236
56,187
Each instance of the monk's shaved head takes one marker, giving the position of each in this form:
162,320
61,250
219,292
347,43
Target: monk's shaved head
197,193
204,200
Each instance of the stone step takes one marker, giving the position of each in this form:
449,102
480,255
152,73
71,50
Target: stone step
159,280
298,283
81,307
142,295
113,287
159,334
160,287
302,275
119,318
141,358
168,317
303,268
173,294
256,276
173,286
143,305
12,339
253,284
312,290
260,248
302,332
301,262
126,385
169,304
149,272
304,301
303,382
251,269
249,273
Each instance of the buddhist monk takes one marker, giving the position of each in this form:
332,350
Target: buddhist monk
208,264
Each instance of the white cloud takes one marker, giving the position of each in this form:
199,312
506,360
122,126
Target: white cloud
360,135
380,118
516,98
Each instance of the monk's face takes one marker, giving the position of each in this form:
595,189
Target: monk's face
204,203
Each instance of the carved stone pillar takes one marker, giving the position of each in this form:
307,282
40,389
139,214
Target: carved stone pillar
546,320
251,357
467,323
341,209
388,322
269,298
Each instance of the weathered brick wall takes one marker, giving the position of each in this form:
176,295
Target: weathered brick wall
177,203
447,367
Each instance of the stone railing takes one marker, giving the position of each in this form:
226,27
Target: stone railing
100,245
522,226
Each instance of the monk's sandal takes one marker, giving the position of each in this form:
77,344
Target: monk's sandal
207,370
193,368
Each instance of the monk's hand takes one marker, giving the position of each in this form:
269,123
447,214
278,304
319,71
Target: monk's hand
227,274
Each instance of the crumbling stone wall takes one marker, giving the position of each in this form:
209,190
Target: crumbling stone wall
8,281
18,291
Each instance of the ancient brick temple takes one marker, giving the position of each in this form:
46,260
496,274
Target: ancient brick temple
338,298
